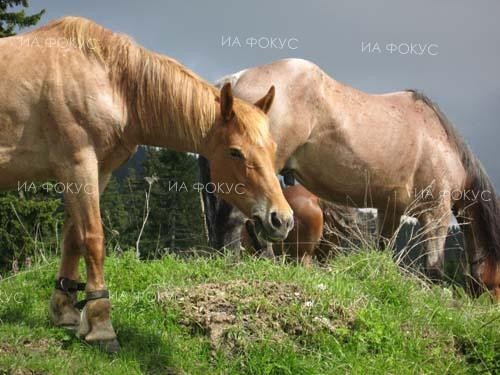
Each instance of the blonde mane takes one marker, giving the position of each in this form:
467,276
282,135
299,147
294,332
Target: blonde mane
158,91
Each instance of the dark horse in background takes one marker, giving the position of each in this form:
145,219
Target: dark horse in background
395,152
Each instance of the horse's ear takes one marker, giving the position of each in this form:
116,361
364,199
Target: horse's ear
226,102
265,102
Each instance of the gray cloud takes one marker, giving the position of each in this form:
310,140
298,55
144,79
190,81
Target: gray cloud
463,77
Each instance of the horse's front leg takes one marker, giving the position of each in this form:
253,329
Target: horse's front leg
82,203
268,252
435,223
388,222
95,325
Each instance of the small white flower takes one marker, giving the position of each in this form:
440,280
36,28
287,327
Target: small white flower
308,304
448,292
322,287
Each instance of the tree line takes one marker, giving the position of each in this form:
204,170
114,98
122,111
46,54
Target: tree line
31,221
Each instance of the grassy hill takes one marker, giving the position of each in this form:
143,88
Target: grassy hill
361,315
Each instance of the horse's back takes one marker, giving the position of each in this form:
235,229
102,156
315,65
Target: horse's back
390,144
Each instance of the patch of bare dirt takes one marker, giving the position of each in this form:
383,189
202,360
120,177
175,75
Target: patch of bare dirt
25,347
39,346
234,312
25,371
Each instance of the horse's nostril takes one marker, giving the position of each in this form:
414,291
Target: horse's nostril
275,220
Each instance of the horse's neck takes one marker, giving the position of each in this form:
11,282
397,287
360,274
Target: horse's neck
181,118
170,135
308,121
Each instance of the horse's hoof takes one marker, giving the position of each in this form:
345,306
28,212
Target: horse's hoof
95,326
435,275
62,312
107,346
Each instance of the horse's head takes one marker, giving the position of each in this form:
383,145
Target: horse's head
242,163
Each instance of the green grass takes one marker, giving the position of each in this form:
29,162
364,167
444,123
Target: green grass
398,325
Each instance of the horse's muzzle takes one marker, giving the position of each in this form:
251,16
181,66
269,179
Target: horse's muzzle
273,227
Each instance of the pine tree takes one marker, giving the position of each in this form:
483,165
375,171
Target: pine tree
174,221
10,19
114,214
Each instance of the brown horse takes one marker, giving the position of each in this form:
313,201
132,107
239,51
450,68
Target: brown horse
80,99
320,228
394,152
306,233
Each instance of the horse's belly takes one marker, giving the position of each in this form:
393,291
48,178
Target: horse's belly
336,174
23,150
17,170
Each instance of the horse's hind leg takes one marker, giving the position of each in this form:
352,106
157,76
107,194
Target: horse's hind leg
62,311
387,224
434,222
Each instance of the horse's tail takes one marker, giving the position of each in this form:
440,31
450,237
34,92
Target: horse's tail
485,209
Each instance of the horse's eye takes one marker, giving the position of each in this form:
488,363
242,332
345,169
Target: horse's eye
236,153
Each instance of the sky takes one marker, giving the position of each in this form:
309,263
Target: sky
449,49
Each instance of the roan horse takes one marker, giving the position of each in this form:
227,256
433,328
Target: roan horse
80,99
393,152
